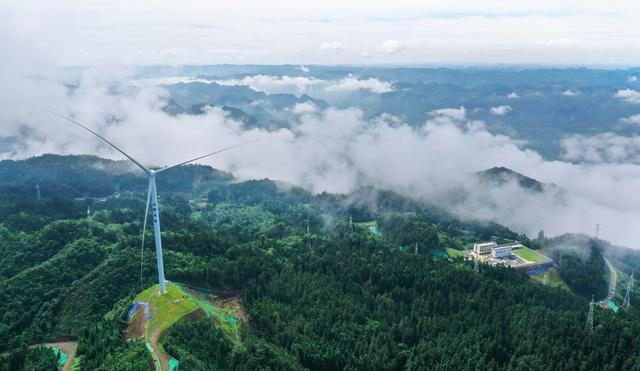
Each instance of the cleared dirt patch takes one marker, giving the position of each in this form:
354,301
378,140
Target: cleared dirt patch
233,302
136,327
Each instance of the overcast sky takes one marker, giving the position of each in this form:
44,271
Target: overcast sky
144,32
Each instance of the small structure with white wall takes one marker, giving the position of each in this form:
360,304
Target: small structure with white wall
483,248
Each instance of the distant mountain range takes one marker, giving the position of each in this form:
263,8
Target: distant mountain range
253,108
540,105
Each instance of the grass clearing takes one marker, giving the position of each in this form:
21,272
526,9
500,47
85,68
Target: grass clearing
553,278
372,223
529,255
453,253
166,309
178,302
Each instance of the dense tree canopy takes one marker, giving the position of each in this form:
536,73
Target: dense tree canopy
354,300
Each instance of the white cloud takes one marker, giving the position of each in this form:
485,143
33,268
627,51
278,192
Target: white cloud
304,108
513,95
306,85
500,110
457,114
629,95
633,119
570,93
304,69
352,83
334,46
393,46
602,148
632,79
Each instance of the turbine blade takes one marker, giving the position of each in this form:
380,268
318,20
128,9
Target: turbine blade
144,229
207,155
99,136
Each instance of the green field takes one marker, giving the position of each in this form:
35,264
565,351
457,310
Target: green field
453,253
372,223
178,302
529,255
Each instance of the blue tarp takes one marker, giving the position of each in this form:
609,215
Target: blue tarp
136,305
541,270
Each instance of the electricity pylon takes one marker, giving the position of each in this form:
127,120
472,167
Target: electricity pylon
588,326
476,266
350,224
38,191
627,296
89,221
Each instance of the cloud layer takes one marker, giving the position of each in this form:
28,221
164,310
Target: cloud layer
338,150
602,148
307,85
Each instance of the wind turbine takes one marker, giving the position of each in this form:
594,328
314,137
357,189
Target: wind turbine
152,194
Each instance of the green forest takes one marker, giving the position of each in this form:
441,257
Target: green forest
338,298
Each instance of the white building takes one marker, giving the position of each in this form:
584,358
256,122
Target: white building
484,247
501,251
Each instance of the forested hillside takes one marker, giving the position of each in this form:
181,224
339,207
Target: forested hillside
353,299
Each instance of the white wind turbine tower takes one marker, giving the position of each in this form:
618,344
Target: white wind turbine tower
152,195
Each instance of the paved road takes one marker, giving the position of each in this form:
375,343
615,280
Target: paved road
613,279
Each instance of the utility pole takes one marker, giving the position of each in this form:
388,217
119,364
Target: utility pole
588,326
627,296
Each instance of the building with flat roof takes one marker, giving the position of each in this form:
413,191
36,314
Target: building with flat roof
483,248
501,251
